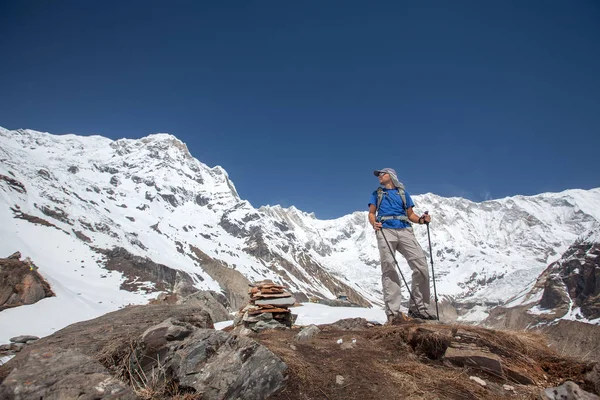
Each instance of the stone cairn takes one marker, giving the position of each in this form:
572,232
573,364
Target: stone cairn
8,351
267,309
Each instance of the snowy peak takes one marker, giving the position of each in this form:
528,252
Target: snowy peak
150,197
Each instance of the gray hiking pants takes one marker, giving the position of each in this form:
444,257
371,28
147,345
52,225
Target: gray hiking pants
404,241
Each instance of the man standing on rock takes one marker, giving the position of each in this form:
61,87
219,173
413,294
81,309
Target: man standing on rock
391,214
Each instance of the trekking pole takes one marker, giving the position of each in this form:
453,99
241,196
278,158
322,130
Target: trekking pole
399,270
432,271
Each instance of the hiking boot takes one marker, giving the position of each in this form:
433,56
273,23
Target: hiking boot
397,319
424,315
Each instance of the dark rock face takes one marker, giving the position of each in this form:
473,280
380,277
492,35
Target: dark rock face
55,373
13,184
571,283
21,284
31,218
170,198
56,213
555,293
134,267
201,200
575,275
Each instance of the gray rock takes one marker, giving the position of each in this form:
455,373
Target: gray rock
347,346
300,297
23,338
219,366
568,391
16,347
281,301
54,373
239,317
264,325
258,317
337,303
352,324
206,300
307,333
156,341
214,363
474,357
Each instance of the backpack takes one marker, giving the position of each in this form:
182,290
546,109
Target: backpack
402,194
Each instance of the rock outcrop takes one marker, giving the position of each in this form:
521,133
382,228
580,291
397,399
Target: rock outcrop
152,351
214,363
563,303
20,283
207,300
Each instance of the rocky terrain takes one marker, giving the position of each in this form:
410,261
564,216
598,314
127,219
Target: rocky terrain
172,351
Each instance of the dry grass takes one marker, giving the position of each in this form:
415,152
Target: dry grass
155,384
406,362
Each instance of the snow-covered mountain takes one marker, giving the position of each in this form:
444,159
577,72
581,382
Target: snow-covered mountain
568,290
152,199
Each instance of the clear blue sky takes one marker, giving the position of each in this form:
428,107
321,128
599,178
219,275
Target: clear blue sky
300,101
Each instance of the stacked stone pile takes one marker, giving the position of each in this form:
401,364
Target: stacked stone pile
268,308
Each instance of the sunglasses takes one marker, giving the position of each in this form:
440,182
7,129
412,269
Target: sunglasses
382,173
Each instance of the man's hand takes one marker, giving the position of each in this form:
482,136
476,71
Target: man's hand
426,218
377,226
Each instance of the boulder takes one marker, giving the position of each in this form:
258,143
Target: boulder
23,339
21,284
474,357
307,333
206,300
55,373
214,363
264,325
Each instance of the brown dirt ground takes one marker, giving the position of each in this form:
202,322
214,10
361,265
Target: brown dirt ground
405,362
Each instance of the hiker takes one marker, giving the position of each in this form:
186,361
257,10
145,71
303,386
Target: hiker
390,214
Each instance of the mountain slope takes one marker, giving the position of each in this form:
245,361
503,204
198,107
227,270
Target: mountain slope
151,198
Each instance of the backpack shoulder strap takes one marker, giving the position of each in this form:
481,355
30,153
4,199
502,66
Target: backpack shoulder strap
402,195
379,198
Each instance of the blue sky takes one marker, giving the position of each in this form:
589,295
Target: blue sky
300,101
